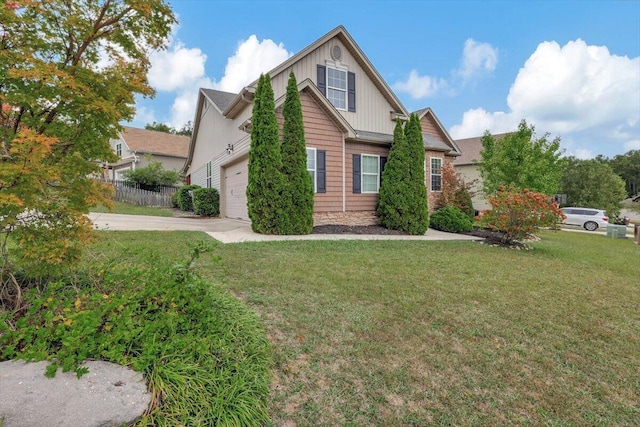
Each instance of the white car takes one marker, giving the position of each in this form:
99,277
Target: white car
590,219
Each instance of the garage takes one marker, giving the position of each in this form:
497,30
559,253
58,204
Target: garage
236,179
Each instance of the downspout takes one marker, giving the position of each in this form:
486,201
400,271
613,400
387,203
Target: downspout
344,176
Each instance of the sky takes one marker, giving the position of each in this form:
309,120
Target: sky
570,68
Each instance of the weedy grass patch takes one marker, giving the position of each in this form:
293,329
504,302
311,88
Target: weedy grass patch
205,355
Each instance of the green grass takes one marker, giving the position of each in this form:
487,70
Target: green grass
447,333
128,209
415,333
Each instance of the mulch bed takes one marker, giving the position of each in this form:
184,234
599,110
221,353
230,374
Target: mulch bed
354,229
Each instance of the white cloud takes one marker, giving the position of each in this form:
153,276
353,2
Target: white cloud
181,70
476,121
252,58
420,86
176,68
570,89
144,115
477,57
584,153
632,145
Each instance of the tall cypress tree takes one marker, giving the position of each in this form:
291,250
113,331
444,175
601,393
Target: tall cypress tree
297,197
395,192
419,217
264,189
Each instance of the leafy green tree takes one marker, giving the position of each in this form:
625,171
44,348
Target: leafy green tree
69,73
402,200
297,197
186,130
520,160
628,167
593,184
265,186
151,177
160,127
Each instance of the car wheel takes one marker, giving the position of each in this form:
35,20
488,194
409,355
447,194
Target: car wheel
590,226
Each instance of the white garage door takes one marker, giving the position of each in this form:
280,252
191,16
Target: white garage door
236,179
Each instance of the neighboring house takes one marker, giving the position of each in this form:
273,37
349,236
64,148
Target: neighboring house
135,147
467,166
349,114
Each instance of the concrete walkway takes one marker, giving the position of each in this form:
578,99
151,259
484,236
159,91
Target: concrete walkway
234,231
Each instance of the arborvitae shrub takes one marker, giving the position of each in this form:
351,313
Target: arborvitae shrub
451,219
297,195
206,202
185,201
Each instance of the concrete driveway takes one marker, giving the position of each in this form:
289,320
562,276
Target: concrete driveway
234,231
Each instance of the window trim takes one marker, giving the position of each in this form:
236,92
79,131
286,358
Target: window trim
343,69
315,167
119,149
363,173
209,168
431,174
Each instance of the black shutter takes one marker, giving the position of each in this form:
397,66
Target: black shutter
322,79
351,91
356,174
321,171
383,161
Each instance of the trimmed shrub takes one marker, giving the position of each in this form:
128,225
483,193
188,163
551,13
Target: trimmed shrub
451,219
185,201
174,200
206,202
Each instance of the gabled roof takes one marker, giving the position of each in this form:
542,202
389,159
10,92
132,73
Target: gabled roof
453,148
219,98
143,141
471,149
244,98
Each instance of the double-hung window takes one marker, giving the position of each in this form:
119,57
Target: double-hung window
337,87
119,149
436,174
370,173
208,174
312,167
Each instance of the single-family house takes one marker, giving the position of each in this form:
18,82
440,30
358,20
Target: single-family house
349,115
134,147
467,165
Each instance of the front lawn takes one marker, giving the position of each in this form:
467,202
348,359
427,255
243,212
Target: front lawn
447,333
129,209
371,332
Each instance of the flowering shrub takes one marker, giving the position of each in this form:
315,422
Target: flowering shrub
517,213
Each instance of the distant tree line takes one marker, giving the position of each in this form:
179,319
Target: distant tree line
185,130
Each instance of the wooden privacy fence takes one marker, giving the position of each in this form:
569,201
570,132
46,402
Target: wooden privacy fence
127,193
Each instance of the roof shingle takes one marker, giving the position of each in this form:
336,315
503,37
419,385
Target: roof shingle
154,142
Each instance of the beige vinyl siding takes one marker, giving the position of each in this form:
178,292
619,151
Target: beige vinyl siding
321,133
168,162
372,109
360,202
214,133
471,173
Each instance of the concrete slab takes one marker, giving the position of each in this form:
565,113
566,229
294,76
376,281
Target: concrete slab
234,231
109,395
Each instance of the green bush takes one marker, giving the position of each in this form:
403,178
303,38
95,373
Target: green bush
451,219
206,202
185,201
174,200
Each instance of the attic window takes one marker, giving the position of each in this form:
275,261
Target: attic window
337,88
119,149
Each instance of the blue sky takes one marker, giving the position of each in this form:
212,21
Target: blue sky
570,67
